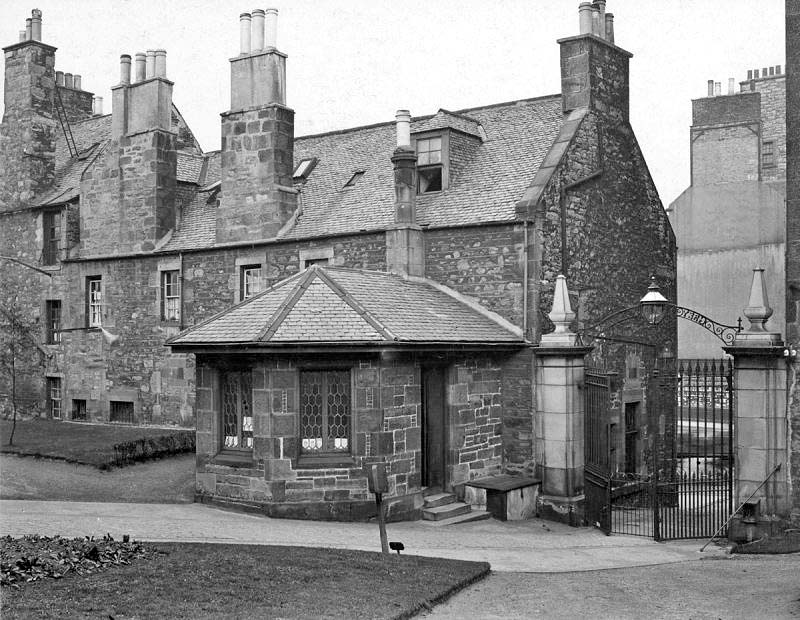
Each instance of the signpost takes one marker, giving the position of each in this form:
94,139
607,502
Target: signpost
379,484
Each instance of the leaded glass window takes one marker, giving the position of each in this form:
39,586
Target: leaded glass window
237,410
325,411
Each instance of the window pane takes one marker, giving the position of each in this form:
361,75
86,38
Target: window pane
311,406
423,159
435,144
436,157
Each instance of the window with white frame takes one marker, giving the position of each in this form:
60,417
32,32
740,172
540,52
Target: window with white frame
94,301
170,295
249,281
429,165
54,397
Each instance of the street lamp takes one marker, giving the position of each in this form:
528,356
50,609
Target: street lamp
653,304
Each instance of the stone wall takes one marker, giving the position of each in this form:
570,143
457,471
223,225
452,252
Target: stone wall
725,154
773,122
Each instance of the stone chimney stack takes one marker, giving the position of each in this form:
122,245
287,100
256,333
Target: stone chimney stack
257,197
29,123
404,242
594,71
142,156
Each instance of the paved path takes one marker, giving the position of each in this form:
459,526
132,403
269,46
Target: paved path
523,546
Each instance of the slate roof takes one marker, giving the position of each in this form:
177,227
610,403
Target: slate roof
334,305
516,138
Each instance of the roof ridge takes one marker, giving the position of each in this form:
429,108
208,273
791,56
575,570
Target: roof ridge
286,306
339,290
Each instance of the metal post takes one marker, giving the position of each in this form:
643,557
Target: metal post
382,523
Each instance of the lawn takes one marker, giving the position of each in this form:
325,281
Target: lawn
236,581
100,445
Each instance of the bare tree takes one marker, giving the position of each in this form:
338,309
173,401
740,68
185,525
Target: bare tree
19,350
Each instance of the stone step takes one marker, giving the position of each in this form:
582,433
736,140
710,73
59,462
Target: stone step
473,515
445,512
439,499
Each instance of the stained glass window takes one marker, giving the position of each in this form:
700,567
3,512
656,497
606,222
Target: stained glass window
237,410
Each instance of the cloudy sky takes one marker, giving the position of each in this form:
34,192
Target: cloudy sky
355,62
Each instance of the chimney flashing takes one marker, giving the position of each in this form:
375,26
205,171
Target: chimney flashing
262,52
598,39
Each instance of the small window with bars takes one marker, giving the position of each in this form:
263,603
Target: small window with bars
120,411
53,321
94,301
249,281
325,417
78,409
51,236
237,410
54,397
170,296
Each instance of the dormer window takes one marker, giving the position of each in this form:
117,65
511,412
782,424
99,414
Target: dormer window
304,169
431,164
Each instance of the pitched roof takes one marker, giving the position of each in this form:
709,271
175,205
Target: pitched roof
516,138
334,305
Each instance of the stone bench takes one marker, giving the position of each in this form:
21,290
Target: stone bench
508,498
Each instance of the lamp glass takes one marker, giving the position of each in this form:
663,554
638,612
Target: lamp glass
653,304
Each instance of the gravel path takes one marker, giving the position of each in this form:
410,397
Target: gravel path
729,587
162,481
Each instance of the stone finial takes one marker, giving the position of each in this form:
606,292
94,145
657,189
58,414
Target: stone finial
758,312
561,315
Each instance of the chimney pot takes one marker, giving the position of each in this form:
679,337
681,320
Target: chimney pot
710,88
764,72
731,86
28,29
717,89
76,81
585,17
257,36
755,74
125,69
610,27
777,69
59,78
601,23
749,74
141,66
36,25
98,105
403,118
150,65
772,70
595,21
244,33
22,36
161,63
68,81
271,35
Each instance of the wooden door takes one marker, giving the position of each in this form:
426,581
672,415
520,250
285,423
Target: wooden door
434,428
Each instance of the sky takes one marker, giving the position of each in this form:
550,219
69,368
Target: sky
356,62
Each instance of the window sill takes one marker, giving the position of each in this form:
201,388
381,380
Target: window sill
234,459
325,461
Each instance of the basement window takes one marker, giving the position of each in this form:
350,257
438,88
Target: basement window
430,171
304,169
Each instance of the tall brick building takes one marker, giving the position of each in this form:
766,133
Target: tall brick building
731,217
370,294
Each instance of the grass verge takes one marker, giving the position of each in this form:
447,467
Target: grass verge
99,445
235,581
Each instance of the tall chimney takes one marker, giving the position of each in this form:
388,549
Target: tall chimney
749,74
68,81
717,89
601,22
141,67
257,198
731,86
710,88
595,20
125,69
271,28
257,38
161,63
98,105
610,27
76,82
150,65
36,25
59,78
22,36
585,17
28,29
244,33
404,242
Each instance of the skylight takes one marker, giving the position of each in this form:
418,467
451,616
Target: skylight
355,178
304,169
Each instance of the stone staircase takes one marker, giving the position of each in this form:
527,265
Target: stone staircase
443,509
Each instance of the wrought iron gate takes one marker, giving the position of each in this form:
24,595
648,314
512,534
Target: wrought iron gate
684,485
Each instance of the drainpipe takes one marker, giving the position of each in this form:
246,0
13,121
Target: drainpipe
180,291
525,278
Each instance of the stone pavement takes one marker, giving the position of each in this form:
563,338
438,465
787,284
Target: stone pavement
522,546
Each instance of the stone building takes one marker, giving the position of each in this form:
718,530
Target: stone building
731,218
375,294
